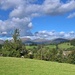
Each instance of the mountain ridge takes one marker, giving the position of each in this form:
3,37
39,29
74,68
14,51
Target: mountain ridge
40,41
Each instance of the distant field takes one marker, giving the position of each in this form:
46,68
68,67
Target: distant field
21,66
31,47
51,46
65,45
61,46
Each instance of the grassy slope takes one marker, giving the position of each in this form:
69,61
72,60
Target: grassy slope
65,45
19,66
61,46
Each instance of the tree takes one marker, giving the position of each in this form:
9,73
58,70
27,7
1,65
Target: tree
59,57
6,48
0,50
13,48
16,35
72,42
71,57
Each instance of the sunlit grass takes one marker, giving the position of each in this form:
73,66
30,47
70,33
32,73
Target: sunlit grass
22,66
65,45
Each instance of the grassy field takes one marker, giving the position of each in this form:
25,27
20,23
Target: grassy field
30,47
65,45
61,46
51,46
21,66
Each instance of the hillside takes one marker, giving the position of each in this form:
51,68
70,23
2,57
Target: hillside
20,66
44,41
59,40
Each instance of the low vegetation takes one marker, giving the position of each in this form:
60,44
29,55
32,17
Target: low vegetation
21,66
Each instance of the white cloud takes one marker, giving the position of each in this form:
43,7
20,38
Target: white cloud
52,35
23,24
56,7
4,33
71,15
7,4
30,25
24,10
49,35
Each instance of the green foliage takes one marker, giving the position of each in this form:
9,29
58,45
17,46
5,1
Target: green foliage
13,48
72,42
44,53
0,50
16,35
71,57
59,57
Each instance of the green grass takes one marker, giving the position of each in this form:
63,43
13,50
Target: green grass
30,47
61,46
51,46
21,66
65,45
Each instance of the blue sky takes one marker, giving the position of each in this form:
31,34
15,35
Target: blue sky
58,23
49,18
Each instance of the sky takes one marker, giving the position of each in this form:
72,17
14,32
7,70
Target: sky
47,19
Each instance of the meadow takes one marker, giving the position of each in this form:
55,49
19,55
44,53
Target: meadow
62,46
23,66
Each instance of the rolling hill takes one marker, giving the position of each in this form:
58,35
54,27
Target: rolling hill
59,40
44,41
21,66
40,41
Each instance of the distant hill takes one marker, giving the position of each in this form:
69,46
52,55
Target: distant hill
59,40
40,41
44,41
26,40
54,41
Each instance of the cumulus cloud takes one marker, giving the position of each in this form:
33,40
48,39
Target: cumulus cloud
7,4
20,15
46,34
22,8
23,24
27,10
53,34
56,7
22,12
